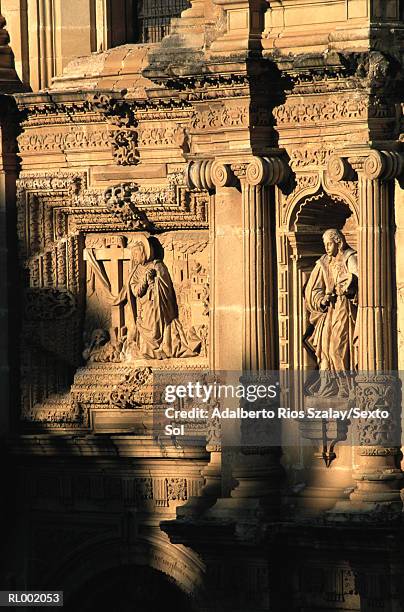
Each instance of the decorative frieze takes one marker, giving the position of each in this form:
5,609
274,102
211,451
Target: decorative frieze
313,111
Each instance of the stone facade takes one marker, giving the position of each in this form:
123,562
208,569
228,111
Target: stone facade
214,161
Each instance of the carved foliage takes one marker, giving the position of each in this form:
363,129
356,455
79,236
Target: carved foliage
121,118
48,304
313,111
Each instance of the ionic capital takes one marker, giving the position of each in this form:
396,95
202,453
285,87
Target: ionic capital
261,171
384,165
199,175
222,175
339,169
373,165
208,174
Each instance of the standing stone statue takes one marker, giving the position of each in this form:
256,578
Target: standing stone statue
331,299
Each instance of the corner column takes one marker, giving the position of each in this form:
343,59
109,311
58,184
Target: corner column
378,476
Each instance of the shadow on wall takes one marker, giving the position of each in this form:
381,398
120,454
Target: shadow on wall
127,589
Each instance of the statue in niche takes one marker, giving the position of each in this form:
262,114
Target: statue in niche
331,297
157,332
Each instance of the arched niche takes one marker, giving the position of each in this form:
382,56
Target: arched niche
300,244
303,217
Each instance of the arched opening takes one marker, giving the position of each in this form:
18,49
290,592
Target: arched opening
128,588
142,21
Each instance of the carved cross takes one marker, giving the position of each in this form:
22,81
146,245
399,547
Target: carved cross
112,260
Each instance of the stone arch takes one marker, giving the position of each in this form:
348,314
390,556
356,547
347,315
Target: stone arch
177,565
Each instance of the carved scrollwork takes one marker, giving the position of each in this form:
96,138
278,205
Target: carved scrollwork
266,171
384,165
121,200
128,392
378,392
123,127
48,304
339,169
222,175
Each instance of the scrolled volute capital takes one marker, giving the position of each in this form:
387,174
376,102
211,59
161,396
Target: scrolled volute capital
223,175
339,169
266,171
199,175
384,165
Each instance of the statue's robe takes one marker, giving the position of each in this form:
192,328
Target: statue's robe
334,335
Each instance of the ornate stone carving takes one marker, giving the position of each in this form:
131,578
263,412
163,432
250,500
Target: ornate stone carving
48,304
379,391
222,175
375,67
330,110
123,127
59,411
266,171
339,169
374,164
385,165
121,200
71,140
140,310
221,116
176,489
303,157
155,135
134,390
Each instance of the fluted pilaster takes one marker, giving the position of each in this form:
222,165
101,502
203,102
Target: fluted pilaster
378,478
257,469
257,179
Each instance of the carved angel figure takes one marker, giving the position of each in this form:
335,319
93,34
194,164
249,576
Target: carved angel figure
331,299
157,334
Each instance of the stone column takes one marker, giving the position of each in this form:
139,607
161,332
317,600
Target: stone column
199,176
378,477
259,339
256,467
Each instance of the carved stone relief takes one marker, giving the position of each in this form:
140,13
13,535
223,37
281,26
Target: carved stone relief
132,307
99,294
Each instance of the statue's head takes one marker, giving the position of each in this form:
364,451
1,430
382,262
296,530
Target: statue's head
138,253
141,250
334,241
